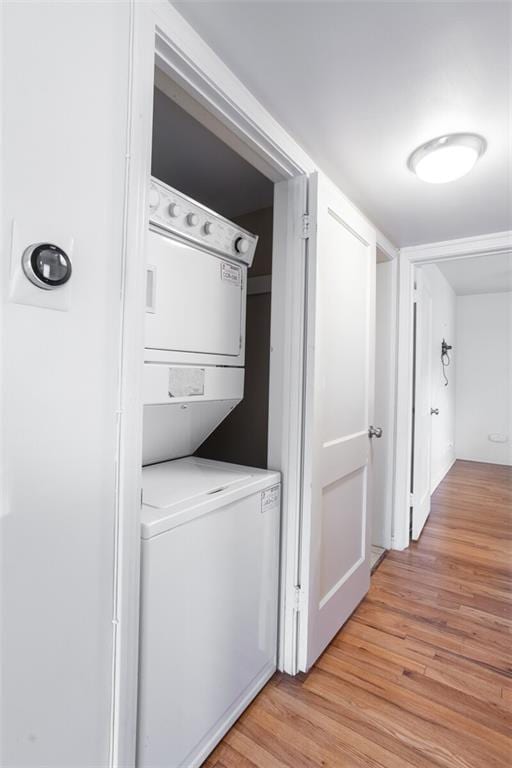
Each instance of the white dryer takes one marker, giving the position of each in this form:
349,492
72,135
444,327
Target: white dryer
208,640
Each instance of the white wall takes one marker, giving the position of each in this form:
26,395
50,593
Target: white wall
64,107
444,398
484,377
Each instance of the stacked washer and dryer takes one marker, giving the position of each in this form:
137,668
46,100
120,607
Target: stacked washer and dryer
210,530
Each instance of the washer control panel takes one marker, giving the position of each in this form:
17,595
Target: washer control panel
177,213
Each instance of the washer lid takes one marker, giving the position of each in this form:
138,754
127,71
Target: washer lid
174,482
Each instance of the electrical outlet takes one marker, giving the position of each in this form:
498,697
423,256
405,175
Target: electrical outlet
497,437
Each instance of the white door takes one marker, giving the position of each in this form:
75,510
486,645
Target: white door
335,564
421,405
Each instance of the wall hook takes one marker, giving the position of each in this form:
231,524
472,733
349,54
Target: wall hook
445,358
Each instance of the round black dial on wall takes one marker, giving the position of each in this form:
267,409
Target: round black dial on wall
46,265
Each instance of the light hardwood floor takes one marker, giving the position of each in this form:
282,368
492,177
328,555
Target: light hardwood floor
420,675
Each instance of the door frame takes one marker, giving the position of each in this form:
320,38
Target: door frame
208,89
205,87
389,438
422,303
430,253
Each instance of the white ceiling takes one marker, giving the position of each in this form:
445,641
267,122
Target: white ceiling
483,274
187,156
360,84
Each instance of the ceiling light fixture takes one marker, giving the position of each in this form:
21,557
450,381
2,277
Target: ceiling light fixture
447,158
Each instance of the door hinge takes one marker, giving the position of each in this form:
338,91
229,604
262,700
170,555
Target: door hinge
297,599
306,226
411,499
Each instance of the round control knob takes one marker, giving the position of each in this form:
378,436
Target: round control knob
209,228
154,198
174,210
192,219
241,245
46,265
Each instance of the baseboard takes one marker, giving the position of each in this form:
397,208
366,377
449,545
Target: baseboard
442,475
485,461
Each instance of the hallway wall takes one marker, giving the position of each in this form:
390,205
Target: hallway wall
484,377
63,159
443,326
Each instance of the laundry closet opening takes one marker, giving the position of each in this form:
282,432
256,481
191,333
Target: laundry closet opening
211,512
190,158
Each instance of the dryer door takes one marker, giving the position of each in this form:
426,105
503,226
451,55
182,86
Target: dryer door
194,300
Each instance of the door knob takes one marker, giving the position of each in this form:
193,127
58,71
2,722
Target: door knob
434,411
375,432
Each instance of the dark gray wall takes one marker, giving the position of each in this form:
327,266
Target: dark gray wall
188,157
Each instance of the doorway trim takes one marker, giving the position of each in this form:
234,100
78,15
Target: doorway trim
204,86
389,437
225,106
430,253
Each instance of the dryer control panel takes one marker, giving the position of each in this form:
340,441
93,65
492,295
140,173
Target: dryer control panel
188,220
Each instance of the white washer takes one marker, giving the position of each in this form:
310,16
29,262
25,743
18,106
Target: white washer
210,551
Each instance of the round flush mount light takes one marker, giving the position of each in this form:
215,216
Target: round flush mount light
447,158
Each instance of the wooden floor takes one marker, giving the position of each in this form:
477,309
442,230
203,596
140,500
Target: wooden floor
420,675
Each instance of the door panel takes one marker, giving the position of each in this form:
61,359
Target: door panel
422,403
335,569
343,535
